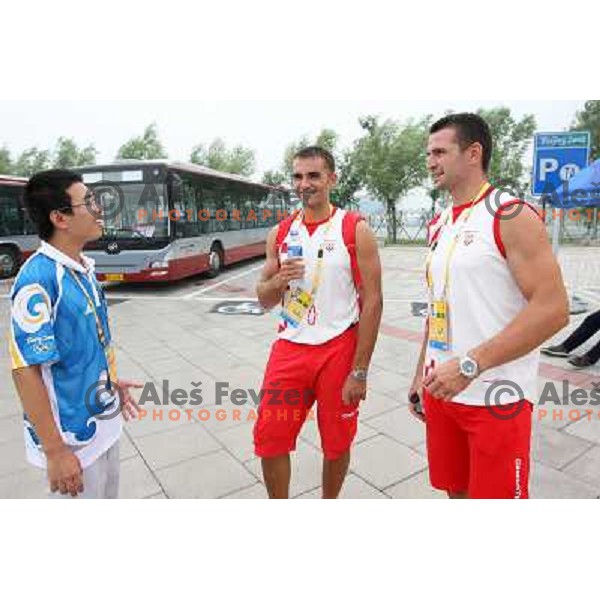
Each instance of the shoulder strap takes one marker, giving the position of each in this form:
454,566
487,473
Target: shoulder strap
349,224
498,219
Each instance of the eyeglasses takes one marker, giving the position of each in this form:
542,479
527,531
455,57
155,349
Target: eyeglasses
89,200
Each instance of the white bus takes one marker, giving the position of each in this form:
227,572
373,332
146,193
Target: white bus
18,238
167,220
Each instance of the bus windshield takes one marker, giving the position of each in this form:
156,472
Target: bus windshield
131,210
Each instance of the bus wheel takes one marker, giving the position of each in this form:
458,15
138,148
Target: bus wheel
215,261
9,262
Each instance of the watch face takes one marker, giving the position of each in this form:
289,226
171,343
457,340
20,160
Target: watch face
469,368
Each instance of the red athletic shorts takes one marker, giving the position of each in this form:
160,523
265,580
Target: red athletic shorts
296,376
472,449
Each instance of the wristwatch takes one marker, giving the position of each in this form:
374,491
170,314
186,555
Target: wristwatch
469,368
359,374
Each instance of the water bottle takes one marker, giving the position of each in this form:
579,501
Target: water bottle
294,250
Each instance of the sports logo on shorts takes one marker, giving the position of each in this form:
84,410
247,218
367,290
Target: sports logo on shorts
31,308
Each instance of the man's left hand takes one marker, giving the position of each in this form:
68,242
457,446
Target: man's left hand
129,405
354,391
446,381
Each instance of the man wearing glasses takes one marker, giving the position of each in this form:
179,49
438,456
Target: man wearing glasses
60,345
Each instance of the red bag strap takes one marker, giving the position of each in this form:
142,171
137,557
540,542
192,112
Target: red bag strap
349,224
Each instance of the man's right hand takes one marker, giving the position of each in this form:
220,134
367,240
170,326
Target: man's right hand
291,268
64,471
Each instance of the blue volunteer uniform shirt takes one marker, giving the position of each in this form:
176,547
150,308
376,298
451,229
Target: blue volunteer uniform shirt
53,325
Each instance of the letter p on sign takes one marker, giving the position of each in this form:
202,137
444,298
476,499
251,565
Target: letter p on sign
547,165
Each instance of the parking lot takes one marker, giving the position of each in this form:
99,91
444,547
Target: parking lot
210,335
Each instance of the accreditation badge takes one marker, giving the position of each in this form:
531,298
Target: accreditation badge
439,326
297,306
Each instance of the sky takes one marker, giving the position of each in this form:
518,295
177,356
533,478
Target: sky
267,126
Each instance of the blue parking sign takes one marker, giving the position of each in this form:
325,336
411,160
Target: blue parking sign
557,157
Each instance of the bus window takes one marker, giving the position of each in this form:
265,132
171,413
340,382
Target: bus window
219,217
188,224
11,216
235,213
247,206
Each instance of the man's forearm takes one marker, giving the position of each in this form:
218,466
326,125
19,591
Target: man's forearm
368,330
36,404
529,329
270,292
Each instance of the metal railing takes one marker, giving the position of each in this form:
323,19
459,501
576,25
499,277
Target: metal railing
579,227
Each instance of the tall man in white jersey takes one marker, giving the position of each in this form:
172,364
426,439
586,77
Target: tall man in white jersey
331,303
495,295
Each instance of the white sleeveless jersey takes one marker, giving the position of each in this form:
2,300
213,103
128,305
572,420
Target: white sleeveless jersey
483,298
335,305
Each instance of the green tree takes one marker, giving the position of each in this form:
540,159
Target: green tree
274,178
242,161
31,161
5,161
511,139
588,119
390,158
238,160
290,151
214,157
328,139
145,147
349,181
67,154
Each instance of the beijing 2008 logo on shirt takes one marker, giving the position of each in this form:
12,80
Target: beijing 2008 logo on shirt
31,308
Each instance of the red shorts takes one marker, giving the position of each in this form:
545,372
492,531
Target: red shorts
472,450
296,376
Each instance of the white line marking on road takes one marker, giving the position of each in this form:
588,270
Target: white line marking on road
214,299
220,283
191,296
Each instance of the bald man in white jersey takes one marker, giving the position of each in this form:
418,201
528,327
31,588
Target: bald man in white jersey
323,269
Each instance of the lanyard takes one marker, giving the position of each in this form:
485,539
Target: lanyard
318,272
92,305
447,217
108,351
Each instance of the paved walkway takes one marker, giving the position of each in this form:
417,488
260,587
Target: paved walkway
207,451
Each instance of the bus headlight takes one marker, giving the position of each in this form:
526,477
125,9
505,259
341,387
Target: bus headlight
161,264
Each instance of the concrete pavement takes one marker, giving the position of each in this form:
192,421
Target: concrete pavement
170,333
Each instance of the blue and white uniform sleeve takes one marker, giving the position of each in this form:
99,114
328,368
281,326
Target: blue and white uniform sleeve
31,338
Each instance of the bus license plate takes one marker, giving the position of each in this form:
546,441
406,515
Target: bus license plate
113,277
